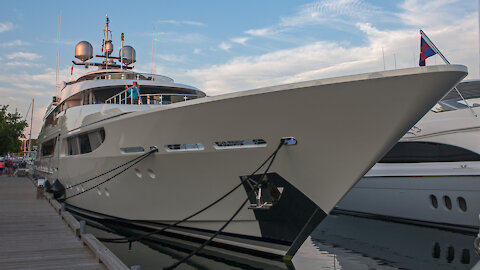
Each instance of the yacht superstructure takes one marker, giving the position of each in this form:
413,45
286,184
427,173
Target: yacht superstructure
320,137
431,176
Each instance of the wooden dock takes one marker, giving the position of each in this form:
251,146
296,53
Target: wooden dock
34,236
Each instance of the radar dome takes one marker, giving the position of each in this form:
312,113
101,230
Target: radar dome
84,51
109,47
128,54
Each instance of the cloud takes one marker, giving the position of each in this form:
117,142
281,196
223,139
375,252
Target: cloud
173,37
22,64
419,12
225,46
6,26
197,51
171,57
322,59
14,43
182,22
240,40
326,11
24,55
262,32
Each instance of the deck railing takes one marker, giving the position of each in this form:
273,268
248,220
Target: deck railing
123,97
157,99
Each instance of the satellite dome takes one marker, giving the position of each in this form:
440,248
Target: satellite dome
109,47
84,51
128,54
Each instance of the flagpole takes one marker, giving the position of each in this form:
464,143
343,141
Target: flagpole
430,43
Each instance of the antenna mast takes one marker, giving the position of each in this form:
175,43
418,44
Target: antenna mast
121,53
152,64
30,135
84,52
105,41
58,54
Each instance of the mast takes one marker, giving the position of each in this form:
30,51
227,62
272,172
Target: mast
84,52
58,54
105,41
30,135
121,53
152,63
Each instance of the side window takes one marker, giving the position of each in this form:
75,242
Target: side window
48,147
417,152
85,143
72,146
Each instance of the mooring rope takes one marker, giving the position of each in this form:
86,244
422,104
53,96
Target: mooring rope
173,266
152,149
129,240
138,159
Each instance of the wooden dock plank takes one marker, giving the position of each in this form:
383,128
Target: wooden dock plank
33,236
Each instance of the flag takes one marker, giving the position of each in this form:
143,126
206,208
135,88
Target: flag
425,51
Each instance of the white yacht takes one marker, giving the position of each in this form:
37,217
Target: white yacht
432,175
145,150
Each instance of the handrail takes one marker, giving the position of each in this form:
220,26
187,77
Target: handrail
125,93
119,99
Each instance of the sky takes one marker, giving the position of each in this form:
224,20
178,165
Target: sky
226,46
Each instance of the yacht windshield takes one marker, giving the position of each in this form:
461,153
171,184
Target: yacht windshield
470,91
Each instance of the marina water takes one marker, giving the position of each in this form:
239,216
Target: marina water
340,242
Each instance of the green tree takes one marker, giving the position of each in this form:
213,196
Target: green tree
11,128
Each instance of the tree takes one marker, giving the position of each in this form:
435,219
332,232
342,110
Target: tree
11,128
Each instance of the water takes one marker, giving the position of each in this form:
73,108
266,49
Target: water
340,242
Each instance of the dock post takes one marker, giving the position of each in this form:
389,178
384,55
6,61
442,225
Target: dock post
62,207
82,226
135,267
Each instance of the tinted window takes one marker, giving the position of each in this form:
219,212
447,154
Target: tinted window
73,146
85,142
48,147
414,152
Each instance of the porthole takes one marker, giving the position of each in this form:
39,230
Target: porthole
447,202
450,254
433,201
436,251
462,204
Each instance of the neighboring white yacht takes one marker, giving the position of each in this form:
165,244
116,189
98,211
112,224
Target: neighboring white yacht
432,176
189,150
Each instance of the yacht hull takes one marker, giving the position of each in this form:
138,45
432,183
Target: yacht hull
342,127
425,200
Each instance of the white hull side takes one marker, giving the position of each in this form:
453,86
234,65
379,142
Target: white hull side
408,198
397,245
341,134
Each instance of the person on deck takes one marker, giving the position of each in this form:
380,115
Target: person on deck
132,93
